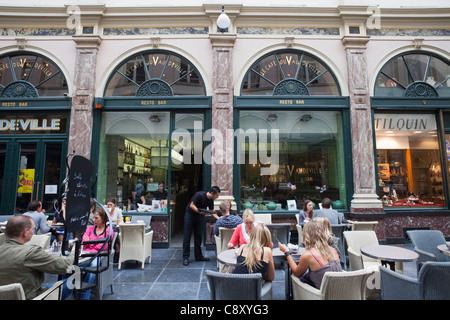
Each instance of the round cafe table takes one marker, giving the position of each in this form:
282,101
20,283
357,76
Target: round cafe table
389,254
443,248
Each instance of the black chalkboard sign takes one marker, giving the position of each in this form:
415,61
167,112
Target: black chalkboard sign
78,194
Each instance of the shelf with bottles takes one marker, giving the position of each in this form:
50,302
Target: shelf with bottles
136,155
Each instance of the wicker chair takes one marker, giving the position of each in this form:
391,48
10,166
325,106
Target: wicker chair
222,240
229,286
432,283
12,291
135,244
425,243
364,225
53,293
42,240
335,286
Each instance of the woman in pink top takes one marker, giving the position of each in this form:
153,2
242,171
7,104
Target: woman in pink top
97,231
242,233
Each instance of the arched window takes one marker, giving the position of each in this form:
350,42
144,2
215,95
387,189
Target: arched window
289,73
414,75
28,75
155,73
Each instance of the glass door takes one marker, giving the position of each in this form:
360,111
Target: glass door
32,171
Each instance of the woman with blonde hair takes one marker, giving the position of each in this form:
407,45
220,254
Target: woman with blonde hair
243,231
256,256
325,225
318,258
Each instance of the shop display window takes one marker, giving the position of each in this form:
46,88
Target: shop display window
408,159
310,157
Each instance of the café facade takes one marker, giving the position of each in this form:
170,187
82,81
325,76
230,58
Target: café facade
287,103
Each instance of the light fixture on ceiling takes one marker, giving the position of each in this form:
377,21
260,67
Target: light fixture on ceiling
272,117
154,118
223,22
305,117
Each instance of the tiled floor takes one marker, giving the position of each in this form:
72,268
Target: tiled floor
166,278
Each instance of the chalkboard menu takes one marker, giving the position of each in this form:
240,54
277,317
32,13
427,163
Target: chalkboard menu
78,194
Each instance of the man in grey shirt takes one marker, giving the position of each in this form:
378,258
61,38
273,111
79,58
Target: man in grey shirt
40,220
334,216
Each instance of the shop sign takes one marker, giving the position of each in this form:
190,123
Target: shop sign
404,122
32,125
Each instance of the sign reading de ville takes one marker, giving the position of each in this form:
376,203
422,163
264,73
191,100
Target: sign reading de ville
33,124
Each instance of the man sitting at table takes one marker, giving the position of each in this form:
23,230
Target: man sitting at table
227,220
26,264
334,216
40,220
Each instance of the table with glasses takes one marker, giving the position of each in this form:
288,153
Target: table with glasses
444,248
391,254
229,258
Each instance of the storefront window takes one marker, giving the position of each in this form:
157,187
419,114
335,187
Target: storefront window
310,156
409,165
414,75
30,76
160,74
134,154
289,72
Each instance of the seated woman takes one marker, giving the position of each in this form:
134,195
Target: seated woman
256,255
325,225
318,258
97,231
242,233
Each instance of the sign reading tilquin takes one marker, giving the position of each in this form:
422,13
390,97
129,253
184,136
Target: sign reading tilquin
33,124
405,122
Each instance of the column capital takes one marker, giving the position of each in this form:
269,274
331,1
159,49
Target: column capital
87,41
355,42
222,40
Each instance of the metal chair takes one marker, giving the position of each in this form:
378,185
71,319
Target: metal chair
279,232
432,283
54,293
105,278
338,231
229,286
335,286
425,243
12,291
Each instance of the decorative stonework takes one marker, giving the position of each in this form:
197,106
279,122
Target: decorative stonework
35,32
154,87
137,31
291,87
420,90
441,32
19,90
312,31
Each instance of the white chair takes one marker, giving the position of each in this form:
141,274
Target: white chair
13,291
2,238
364,225
135,244
335,286
54,293
264,218
42,240
300,234
222,241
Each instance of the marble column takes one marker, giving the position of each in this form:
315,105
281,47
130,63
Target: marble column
365,198
222,115
81,116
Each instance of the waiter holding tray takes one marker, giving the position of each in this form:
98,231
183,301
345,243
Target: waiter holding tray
193,219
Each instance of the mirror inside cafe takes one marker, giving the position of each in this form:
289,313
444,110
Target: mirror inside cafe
134,157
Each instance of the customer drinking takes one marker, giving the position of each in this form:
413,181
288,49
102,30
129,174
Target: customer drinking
318,258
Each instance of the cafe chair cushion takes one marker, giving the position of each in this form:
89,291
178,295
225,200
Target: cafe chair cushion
425,243
432,283
13,291
230,286
335,286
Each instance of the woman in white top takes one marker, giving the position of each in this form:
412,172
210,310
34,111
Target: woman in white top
115,214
